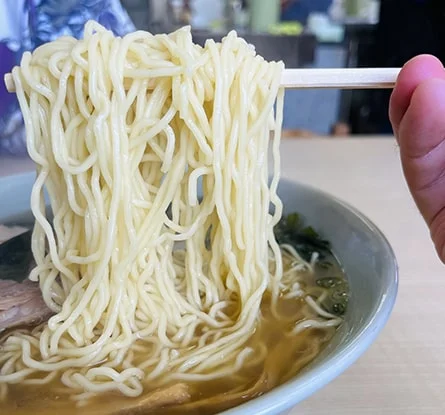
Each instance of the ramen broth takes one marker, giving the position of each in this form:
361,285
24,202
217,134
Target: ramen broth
286,356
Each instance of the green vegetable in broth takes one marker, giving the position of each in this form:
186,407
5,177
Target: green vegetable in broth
306,240
291,230
336,301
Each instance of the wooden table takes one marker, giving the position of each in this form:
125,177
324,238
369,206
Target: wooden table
403,373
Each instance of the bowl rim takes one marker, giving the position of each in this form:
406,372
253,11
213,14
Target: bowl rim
294,391
288,395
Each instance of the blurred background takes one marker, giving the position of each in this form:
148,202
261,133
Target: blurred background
302,33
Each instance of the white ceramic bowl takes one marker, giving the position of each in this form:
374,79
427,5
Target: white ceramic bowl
363,251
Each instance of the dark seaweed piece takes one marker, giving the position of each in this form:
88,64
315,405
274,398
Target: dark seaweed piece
16,257
339,309
291,230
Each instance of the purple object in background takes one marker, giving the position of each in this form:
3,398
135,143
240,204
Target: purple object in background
30,23
7,61
12,131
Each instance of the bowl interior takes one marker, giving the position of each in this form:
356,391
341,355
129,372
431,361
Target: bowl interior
361,248
363,251
371,270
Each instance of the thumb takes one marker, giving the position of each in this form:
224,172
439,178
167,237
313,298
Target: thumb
422,149
413,73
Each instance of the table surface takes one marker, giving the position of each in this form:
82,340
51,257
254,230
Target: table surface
403,371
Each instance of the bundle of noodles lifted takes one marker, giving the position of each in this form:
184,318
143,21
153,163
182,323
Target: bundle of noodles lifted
168,288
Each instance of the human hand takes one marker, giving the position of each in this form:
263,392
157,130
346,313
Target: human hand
417,114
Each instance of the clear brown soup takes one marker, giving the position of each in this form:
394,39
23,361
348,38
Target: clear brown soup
286,356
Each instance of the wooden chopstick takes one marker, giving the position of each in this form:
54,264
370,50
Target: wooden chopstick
339,78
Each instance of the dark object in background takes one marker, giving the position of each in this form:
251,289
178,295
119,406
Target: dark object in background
301,9
406,28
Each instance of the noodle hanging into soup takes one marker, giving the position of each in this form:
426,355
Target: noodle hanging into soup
161,253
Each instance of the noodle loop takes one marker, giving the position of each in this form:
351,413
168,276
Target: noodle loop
124,133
